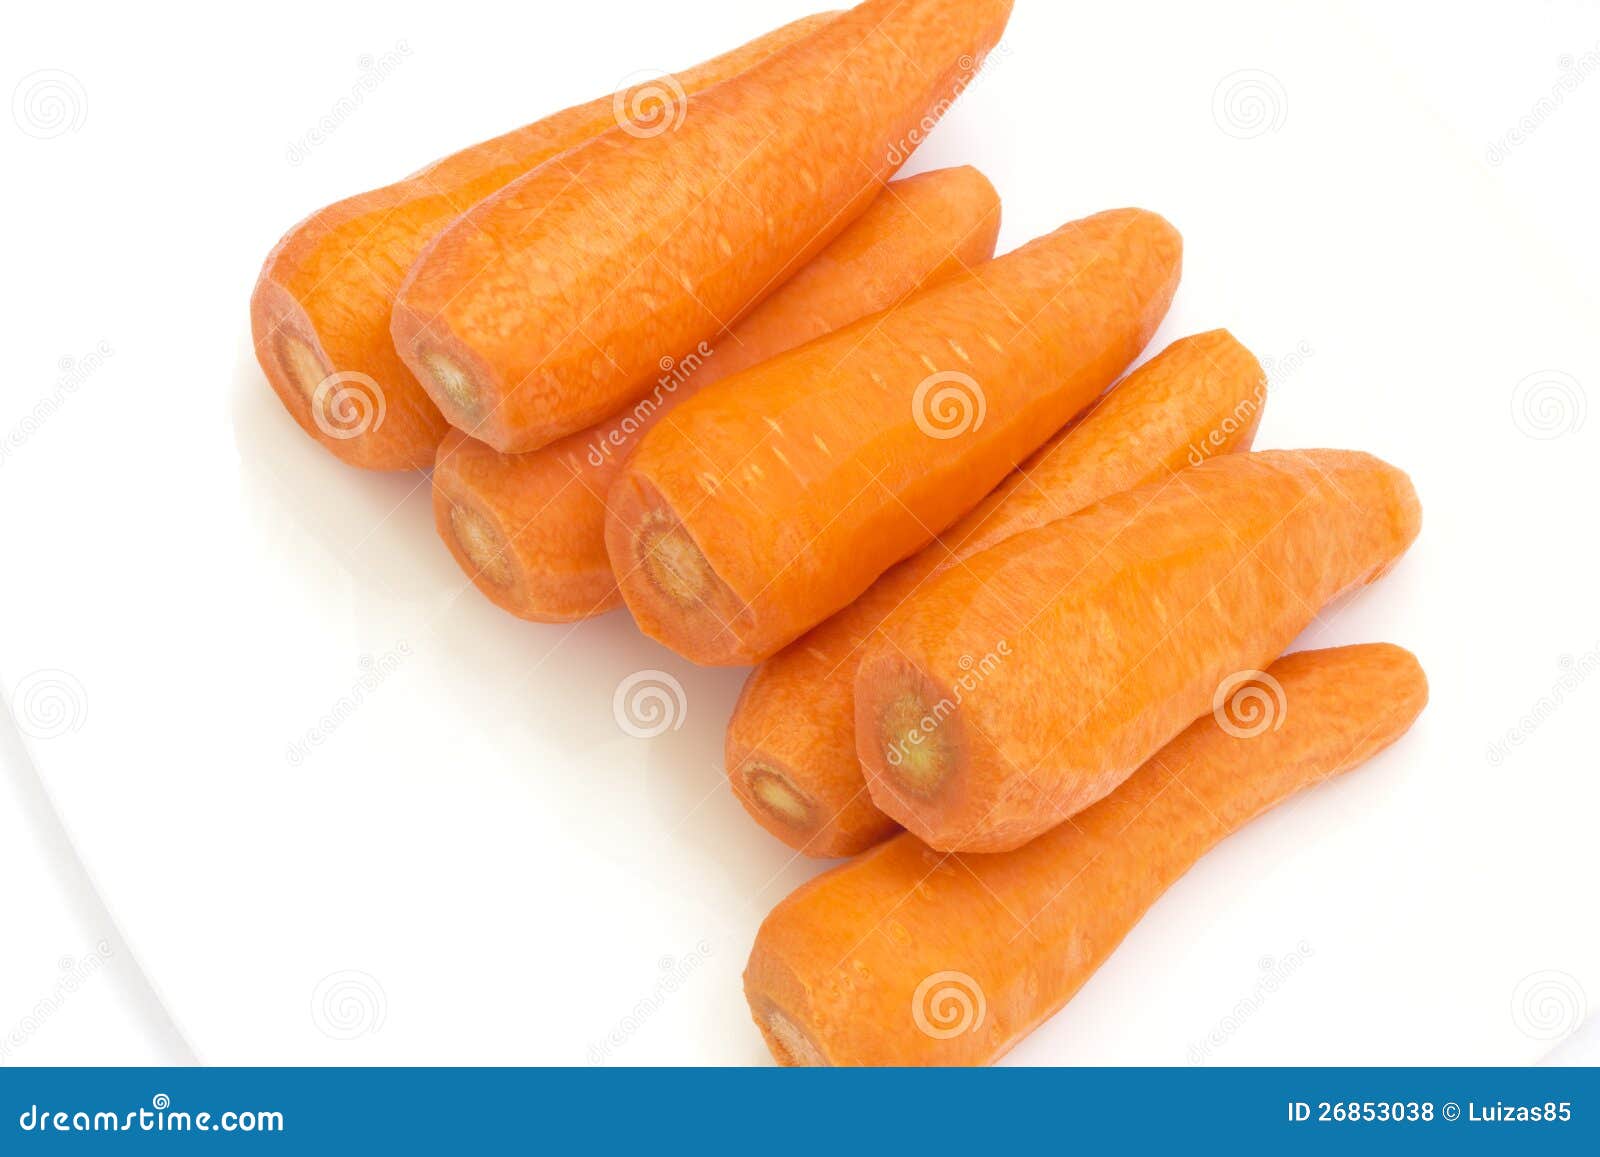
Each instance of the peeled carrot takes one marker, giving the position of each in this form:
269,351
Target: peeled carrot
773,499
791,748
530,528
549,306
906,956
321,306
1022,686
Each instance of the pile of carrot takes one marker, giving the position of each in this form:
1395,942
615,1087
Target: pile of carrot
1002,595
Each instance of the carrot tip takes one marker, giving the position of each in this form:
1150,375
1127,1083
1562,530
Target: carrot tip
456,383
481,541
778,795
790,1042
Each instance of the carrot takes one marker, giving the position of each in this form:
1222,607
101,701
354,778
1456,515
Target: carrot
530,528
906,956
549,306
320,311
791,748
1019,688
773,499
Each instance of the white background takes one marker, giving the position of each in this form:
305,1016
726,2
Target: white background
479,865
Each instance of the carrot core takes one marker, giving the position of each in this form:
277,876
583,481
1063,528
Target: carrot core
674,564
480,540
303,366
453,380
794,1045
777,793
917,755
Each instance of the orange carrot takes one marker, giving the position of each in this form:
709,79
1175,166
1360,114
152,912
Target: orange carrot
906,956
774,498
530,528
549,306
1022,686
321,307
791,750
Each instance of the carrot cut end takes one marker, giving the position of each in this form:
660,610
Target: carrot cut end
668,582
483,544
675,566
303,366
453,381
777,794
918,758
790,1044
